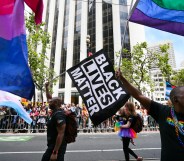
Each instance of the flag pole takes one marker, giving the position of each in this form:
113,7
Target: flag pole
126,25
57,76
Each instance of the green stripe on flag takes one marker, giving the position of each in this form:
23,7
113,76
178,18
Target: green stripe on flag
15,138
170,4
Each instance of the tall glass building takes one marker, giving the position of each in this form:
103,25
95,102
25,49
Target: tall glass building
69,22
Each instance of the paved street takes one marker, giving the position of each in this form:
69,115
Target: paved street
89,147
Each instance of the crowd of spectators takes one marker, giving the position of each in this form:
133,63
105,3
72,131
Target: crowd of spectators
11,122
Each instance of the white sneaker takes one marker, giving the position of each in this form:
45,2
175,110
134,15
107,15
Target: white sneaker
139,158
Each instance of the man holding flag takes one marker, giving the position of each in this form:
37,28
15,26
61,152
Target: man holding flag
170,119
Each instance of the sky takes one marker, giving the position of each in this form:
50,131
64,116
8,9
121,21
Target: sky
154,35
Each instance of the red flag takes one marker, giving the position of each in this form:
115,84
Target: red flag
6,6
37,8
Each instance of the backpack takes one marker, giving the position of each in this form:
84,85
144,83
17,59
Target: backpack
71,128
137,127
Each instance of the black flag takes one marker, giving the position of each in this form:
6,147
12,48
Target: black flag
102,93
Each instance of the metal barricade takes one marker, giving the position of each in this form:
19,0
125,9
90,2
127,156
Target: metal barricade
14,124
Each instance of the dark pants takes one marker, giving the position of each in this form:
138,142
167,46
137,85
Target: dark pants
46,156
126,149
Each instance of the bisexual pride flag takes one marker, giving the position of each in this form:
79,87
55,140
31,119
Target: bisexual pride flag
165,15
15,75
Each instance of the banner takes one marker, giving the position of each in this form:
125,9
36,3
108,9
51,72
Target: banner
102,93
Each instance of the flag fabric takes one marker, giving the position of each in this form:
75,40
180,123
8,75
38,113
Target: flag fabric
37,8
102,93
10,100
6,6
169,88
165,15
15,75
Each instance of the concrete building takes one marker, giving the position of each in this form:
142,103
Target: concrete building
160,86
182,64
69,23
156,48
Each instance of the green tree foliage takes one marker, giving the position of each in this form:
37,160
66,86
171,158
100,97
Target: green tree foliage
137,64
163,60
38,42
178,78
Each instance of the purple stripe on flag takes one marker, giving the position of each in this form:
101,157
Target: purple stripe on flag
15,20
169,26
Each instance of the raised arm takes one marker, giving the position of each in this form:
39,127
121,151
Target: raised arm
48,95
134,92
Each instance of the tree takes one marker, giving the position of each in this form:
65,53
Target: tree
178,78
137,64
38,42
163,62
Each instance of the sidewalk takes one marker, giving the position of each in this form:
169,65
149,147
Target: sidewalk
146,159
134,160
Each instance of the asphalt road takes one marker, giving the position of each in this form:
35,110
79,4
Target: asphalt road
88,147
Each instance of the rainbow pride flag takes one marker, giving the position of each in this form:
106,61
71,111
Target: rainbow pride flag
165,15
15,75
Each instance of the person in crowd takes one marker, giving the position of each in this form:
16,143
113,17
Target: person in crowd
55,130
73,107
2,112
127,119
78,115
145,119
42,119
138,110
84,116
170,119
34,116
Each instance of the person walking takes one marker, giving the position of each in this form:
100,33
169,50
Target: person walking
169,119
127,120
56,143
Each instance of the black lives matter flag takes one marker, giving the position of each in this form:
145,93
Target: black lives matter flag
102,93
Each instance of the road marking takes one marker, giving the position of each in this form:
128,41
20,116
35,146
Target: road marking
15,138
108,150
77,151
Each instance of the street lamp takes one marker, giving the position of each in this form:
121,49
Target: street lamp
88,43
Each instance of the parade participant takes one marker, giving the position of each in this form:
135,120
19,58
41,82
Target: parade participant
170,119
55,130
127,119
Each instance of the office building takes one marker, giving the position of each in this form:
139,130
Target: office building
70,23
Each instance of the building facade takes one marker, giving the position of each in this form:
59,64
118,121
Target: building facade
156,75
156,48
69,23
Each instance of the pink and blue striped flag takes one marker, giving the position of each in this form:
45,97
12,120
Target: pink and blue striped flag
10,100
165,15
15,75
